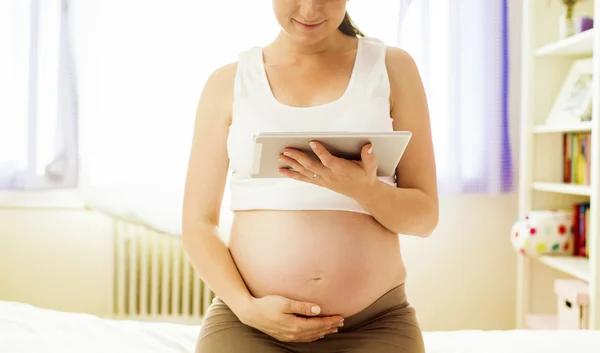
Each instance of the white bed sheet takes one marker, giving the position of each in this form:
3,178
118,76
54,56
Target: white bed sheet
28,329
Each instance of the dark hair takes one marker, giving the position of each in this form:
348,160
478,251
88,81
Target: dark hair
349,28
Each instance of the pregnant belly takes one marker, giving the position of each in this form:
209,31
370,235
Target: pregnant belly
342,261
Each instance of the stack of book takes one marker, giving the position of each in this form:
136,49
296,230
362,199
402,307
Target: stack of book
576,148
581,226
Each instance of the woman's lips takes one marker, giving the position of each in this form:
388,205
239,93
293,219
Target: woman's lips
309,25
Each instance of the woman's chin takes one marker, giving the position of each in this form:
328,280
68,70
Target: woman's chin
307,37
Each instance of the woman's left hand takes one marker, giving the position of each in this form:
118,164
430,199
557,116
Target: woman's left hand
350,178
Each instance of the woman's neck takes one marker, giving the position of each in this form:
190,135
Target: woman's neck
335,42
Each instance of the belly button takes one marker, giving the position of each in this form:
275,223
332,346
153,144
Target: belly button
317,279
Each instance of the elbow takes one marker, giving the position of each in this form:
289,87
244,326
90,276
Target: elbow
422,230
193,232
189,238
430,225
429,222
433,217
188,231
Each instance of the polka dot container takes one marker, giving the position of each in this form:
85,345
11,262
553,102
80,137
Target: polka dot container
543,232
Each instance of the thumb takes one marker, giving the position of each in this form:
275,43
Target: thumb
307,309
368,156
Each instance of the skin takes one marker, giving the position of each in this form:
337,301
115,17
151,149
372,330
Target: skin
410,208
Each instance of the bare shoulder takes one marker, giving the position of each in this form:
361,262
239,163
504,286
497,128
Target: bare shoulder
400,64
221,80
403,73
223,77
217,93
396,55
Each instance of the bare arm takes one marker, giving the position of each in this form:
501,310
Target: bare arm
412,207
205,183
210,257
409,208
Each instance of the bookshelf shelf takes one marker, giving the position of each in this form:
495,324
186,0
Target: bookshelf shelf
576,266
545,154
579,44
562,188
559,129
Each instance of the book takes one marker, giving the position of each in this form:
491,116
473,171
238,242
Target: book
567,158
575,230
576,158
581,221
582,228
587,227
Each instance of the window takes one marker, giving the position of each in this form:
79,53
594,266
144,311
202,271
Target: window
38,147
461,48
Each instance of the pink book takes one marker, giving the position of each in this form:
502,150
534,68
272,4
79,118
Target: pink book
575,230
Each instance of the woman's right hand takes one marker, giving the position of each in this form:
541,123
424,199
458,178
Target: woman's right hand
288,320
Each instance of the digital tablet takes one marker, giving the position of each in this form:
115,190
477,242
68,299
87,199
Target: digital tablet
268,146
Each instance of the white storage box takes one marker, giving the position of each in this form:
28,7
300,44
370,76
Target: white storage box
573,303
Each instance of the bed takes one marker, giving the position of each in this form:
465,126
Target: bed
28,329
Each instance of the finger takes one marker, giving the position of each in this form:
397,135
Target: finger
296,166
325,330
298,176
326,158
311,336
318,336
314,336
310,164
368,157
309,340
301,308
317,325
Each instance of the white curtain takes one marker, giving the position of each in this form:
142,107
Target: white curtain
38,137
460,47
141,68
14,37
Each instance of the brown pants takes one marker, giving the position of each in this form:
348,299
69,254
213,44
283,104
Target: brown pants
389,325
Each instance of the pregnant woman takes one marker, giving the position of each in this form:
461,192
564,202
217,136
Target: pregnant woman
313,263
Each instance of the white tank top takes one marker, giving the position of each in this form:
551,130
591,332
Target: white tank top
363,107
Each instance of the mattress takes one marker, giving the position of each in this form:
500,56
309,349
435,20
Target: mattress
28,329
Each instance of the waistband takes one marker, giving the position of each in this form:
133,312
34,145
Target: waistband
394,298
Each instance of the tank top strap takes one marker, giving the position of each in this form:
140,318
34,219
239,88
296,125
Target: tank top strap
248,77
373,76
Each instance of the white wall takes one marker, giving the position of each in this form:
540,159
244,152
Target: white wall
463,275
56,259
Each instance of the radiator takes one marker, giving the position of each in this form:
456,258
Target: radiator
154,281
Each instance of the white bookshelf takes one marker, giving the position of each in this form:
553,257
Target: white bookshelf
585,126
545,62
579,44
578,267
562,188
